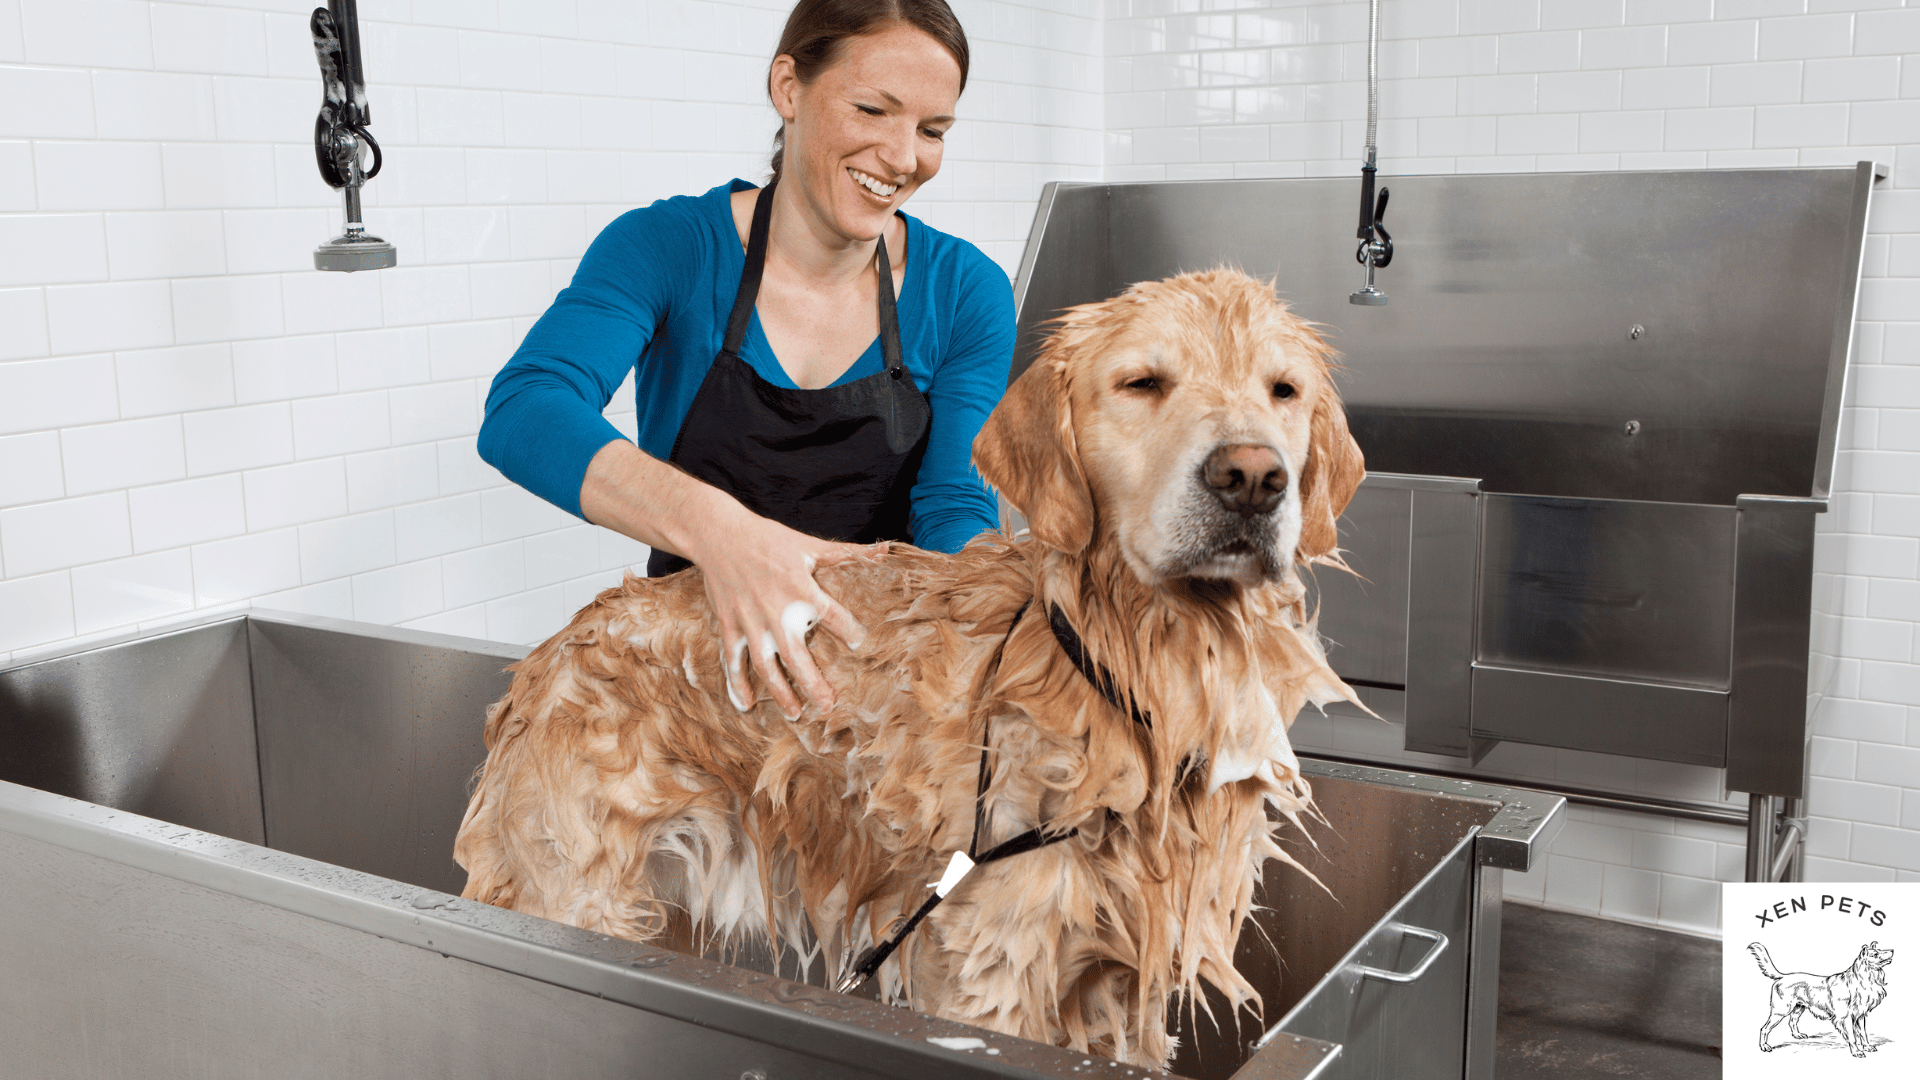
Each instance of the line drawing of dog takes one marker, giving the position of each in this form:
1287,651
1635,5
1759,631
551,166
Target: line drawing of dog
1843,999
1179,452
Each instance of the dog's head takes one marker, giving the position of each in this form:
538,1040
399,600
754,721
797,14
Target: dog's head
1193,422
1873,956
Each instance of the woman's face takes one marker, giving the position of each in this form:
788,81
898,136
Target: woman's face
868,132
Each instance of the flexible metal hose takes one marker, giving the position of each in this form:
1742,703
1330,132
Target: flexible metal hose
1373,75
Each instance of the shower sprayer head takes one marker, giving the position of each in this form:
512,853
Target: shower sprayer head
341,140
1376,244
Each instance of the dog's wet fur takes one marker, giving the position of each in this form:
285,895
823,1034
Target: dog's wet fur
1179,452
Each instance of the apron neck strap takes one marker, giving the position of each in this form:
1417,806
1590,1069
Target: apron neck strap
889,318
756,263
749,291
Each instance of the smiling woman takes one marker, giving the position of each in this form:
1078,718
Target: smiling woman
811,364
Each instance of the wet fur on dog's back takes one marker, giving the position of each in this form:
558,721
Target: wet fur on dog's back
622,793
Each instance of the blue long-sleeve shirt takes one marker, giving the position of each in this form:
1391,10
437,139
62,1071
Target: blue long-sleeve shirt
656,287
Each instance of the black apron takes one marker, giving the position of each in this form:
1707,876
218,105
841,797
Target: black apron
838,463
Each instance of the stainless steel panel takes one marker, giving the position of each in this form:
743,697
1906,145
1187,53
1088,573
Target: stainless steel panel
1404,620
1074,266
162,726
1363,615
1409,1031
1866,173
132,974
1381,843
1518,832
368,740
1505,353
1483,971
157,951
1767,726
1607,716
1440,620
1637,591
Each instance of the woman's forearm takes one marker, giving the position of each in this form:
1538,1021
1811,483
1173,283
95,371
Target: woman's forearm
636,494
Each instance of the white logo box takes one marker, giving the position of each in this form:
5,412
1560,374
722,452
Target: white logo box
1847,957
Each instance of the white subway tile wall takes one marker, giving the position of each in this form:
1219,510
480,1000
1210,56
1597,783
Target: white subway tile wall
192,417
1202,88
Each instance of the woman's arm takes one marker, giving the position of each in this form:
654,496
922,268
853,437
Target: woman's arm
543,421
950,503
544,430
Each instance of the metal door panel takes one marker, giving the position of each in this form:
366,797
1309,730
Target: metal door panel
1634,591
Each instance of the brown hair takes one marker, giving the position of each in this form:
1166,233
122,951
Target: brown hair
818,29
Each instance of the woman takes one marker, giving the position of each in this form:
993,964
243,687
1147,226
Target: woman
763,425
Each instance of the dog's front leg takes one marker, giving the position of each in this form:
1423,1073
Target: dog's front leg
1857,1035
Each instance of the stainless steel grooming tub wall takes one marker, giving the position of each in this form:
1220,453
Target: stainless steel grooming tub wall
1599,413
225,850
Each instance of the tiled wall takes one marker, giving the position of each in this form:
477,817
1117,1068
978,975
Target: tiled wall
191,416
1201,89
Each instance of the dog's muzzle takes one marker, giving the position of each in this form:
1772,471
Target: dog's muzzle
1235,517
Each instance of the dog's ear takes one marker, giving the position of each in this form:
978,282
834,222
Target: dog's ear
1335,467
1026,449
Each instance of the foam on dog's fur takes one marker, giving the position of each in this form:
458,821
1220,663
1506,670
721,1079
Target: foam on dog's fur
623,794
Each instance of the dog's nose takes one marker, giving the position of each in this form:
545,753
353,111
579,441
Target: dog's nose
1247,478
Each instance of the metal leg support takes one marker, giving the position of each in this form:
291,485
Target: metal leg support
1776,829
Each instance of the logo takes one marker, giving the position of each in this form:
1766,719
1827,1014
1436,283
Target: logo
1821,976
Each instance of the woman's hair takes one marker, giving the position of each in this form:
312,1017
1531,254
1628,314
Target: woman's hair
818,30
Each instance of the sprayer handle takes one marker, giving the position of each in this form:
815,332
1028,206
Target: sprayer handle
1367,216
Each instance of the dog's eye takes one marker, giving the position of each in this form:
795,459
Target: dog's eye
1146,384
1283,390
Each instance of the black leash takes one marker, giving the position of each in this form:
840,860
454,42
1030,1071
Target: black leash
962,863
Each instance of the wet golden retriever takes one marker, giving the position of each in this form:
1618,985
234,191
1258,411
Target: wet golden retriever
1178,451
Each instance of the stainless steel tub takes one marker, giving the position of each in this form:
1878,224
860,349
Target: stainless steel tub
224,851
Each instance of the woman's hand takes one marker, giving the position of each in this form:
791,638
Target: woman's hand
759,578
759,573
